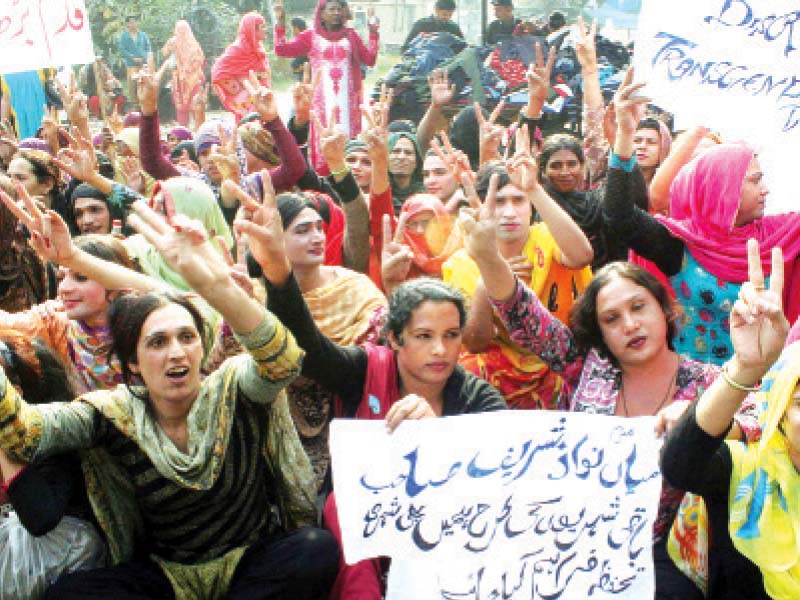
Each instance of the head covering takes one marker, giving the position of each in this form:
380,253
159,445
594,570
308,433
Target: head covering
245,54
416,186
704,202
333,216
259,142
190,61
465,134
193,198
36,144
130,137
181,133
188,145
208,134
765,487
291,205
439,240
329,35
84,190
664,136
445,4
132,119
354,145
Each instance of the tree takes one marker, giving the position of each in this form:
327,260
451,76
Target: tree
214,22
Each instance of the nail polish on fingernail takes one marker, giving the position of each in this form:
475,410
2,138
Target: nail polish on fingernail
47,242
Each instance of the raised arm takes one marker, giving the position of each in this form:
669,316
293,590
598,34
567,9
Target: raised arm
299,46
538,76
153,161
434,119
293,164
335,367
680,154
51,238
647,236
596,146
574,247
528,322
694,457
367,54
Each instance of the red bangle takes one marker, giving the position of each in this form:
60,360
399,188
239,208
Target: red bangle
5,484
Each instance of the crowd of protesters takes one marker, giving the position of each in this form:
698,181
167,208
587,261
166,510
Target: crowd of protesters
185,307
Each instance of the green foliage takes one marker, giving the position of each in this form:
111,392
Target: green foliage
215,22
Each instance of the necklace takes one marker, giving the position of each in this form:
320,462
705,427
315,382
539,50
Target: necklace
663,400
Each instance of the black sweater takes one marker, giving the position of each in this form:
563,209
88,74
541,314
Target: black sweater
343,369
626,193
47,490
694,461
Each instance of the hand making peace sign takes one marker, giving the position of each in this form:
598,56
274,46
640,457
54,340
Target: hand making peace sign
758,325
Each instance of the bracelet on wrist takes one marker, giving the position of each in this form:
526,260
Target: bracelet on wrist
735,384
341,172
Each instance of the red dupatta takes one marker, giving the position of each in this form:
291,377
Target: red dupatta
243,55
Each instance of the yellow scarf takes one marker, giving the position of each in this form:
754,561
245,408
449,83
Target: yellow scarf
765,487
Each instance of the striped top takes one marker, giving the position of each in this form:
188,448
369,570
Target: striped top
197,506
190,526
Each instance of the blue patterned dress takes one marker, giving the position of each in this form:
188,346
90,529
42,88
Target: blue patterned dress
704,332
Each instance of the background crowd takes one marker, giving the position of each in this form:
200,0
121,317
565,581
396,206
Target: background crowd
187,303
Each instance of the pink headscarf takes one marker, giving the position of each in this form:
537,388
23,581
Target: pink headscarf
245,54
704,201
327,33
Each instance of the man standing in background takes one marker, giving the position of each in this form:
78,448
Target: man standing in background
134,47
440,20
504,23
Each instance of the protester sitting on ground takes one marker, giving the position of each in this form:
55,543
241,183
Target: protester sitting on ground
90,211
617,350
51,529
346,306
415,376
128,167
688,145
717,203
749,488
426,236
229,166
535,254
652,143
179,195
405,167
40,176
75,325
234,427
562,170
178,134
